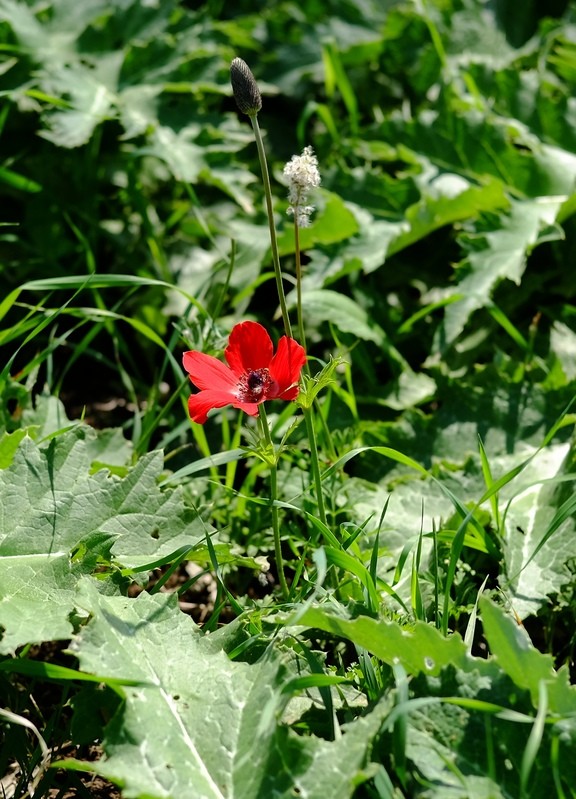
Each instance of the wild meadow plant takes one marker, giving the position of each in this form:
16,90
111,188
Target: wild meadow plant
254,374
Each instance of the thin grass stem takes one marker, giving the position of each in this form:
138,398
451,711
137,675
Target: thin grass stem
308,413
300,316
308,416
315,464
270,214
274,497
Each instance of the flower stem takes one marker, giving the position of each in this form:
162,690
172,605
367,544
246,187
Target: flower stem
301,332
274,496
308,414
270,214
315,463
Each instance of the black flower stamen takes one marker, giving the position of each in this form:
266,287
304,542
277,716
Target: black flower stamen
253,386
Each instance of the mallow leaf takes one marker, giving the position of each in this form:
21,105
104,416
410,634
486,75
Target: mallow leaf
511,647
200,724
58,517
52,502
325,305
499,254
36,599
540,525
421,650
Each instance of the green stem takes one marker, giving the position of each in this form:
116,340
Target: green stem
315,464
270,212
308,414
301,333
274,498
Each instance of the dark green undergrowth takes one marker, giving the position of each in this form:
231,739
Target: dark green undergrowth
418,497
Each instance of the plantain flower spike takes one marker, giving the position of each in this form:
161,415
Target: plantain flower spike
245,89
303,175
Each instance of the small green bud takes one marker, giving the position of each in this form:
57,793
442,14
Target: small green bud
245,89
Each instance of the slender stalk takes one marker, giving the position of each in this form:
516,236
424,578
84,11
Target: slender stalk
270,214
315,463
274,508
301,333
308,414
249,101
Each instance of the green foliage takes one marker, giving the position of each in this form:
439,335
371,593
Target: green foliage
60,521
238,748
424,511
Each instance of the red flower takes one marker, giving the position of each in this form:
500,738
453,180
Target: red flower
254,374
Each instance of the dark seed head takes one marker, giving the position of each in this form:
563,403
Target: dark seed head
245,89
255,381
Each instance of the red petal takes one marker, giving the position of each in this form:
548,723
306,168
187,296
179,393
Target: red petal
209,373
199,404
290,394
249,348
286,366
251,408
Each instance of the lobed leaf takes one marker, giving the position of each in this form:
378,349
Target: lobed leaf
59,520
163,740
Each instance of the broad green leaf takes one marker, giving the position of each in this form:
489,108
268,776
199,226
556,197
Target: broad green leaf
411,388
563,345
202,720
32,34
517,90
91,98
447,199
59,520
463,750
47,417
513,422
433,752
513,651
371,246
413,505
469,139
324,305
36,598
65,503
499,254
540,529
179,151
458,697
422,649
472,35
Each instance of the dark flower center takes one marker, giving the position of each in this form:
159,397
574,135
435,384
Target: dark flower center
253,386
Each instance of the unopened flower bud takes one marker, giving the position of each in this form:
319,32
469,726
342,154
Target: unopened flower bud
245,89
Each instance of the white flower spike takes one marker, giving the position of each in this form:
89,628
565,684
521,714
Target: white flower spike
303,176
